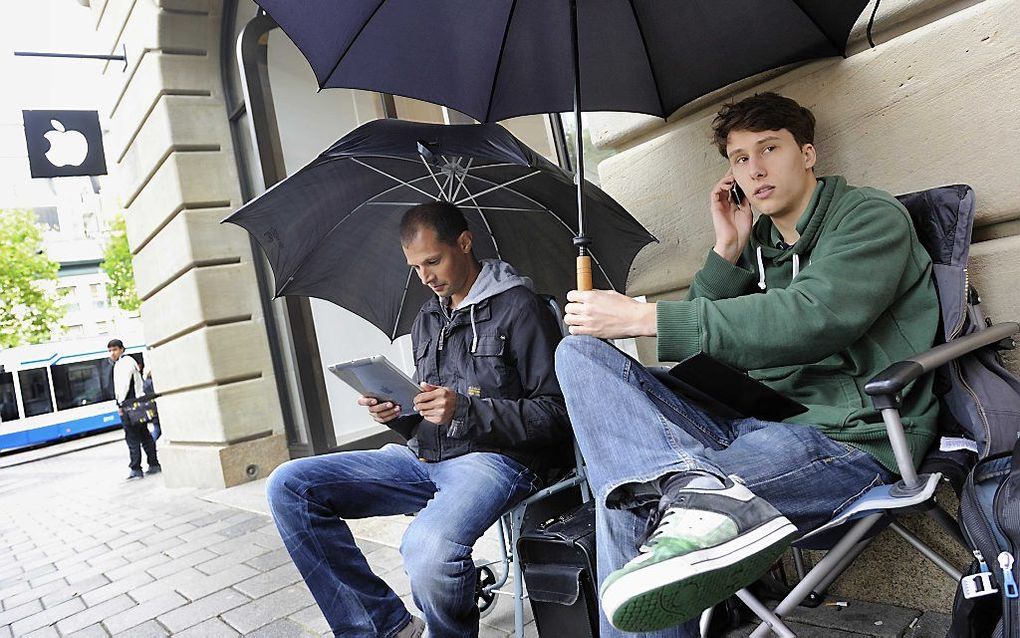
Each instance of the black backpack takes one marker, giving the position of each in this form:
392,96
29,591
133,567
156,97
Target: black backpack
988,600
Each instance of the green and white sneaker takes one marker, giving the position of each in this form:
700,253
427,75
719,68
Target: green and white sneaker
708,544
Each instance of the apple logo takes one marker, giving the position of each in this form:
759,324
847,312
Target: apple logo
67,148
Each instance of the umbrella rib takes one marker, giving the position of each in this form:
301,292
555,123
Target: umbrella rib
290,278
496,187
485,220
434,178
350,45
400,308
499,60
396,179
648,56
462,178
546,209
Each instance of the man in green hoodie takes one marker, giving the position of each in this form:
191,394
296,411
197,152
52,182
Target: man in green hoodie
824,291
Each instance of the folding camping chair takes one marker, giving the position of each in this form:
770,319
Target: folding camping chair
943,218
488,584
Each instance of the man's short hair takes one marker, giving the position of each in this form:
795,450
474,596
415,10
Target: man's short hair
443,217
763,112
115,343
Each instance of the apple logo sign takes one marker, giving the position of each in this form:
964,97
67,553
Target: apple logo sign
63,143
67,148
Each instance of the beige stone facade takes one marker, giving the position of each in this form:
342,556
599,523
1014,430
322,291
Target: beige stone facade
174,168
937,101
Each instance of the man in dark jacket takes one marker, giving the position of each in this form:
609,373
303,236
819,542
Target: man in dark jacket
489,421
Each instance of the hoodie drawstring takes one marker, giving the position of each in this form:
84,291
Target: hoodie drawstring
761,270
474,331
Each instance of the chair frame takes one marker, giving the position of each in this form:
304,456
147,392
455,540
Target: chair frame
885,390
510,525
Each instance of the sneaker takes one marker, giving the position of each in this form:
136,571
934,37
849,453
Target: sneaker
708,544
154,469
135,474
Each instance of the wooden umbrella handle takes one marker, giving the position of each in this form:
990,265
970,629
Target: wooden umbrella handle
584,272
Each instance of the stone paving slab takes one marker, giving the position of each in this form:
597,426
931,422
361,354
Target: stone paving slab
85,554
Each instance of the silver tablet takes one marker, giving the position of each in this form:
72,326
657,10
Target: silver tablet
378,378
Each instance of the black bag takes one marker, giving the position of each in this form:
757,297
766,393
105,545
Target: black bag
558,559
988,600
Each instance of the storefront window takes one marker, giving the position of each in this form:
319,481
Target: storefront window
35,392
78,384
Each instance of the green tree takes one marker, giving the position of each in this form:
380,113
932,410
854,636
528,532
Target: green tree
29,310
117,266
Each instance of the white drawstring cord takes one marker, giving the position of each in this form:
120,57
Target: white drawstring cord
796,266
761,270
474,331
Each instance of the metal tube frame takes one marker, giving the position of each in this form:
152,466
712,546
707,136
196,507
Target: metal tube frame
927,551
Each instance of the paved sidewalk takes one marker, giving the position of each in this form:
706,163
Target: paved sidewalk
84,553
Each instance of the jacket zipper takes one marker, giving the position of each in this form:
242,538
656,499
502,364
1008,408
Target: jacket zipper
980,408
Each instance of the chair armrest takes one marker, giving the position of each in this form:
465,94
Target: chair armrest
893,379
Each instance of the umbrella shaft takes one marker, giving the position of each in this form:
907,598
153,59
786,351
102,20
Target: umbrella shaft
578,145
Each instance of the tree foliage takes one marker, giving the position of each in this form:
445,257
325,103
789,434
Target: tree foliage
117,266
29,310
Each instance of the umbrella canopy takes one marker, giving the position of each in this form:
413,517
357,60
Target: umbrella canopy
331,230
498,59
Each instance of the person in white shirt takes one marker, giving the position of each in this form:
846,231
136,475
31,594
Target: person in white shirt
127,385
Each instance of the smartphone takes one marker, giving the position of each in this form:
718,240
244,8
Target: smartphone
736,195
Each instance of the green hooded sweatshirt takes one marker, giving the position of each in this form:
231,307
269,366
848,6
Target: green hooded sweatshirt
852,295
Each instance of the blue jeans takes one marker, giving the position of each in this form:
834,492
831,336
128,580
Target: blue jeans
456,501
632,429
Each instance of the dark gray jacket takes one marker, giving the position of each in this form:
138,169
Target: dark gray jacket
496,351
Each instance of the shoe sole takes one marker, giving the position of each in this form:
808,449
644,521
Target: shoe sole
678,589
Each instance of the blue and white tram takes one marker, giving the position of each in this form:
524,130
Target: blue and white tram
53,391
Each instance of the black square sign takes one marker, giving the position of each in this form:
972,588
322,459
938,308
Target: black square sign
64,143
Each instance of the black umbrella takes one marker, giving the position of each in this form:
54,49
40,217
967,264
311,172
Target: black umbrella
496,59
331,230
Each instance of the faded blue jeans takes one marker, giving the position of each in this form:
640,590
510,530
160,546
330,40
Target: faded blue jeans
632,430
456,501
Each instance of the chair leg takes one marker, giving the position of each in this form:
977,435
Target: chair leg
949,524
821,570
516,522
771,620
820,589
927,551
798,562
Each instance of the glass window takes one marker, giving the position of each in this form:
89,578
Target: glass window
103,327
74,331
8,400
35,391
99,304
82,383
98,291
593,155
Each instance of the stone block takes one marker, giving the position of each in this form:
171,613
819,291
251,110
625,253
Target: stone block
190,180
173,123
888,117
204,295
193,465
213,354
221,413
191,238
